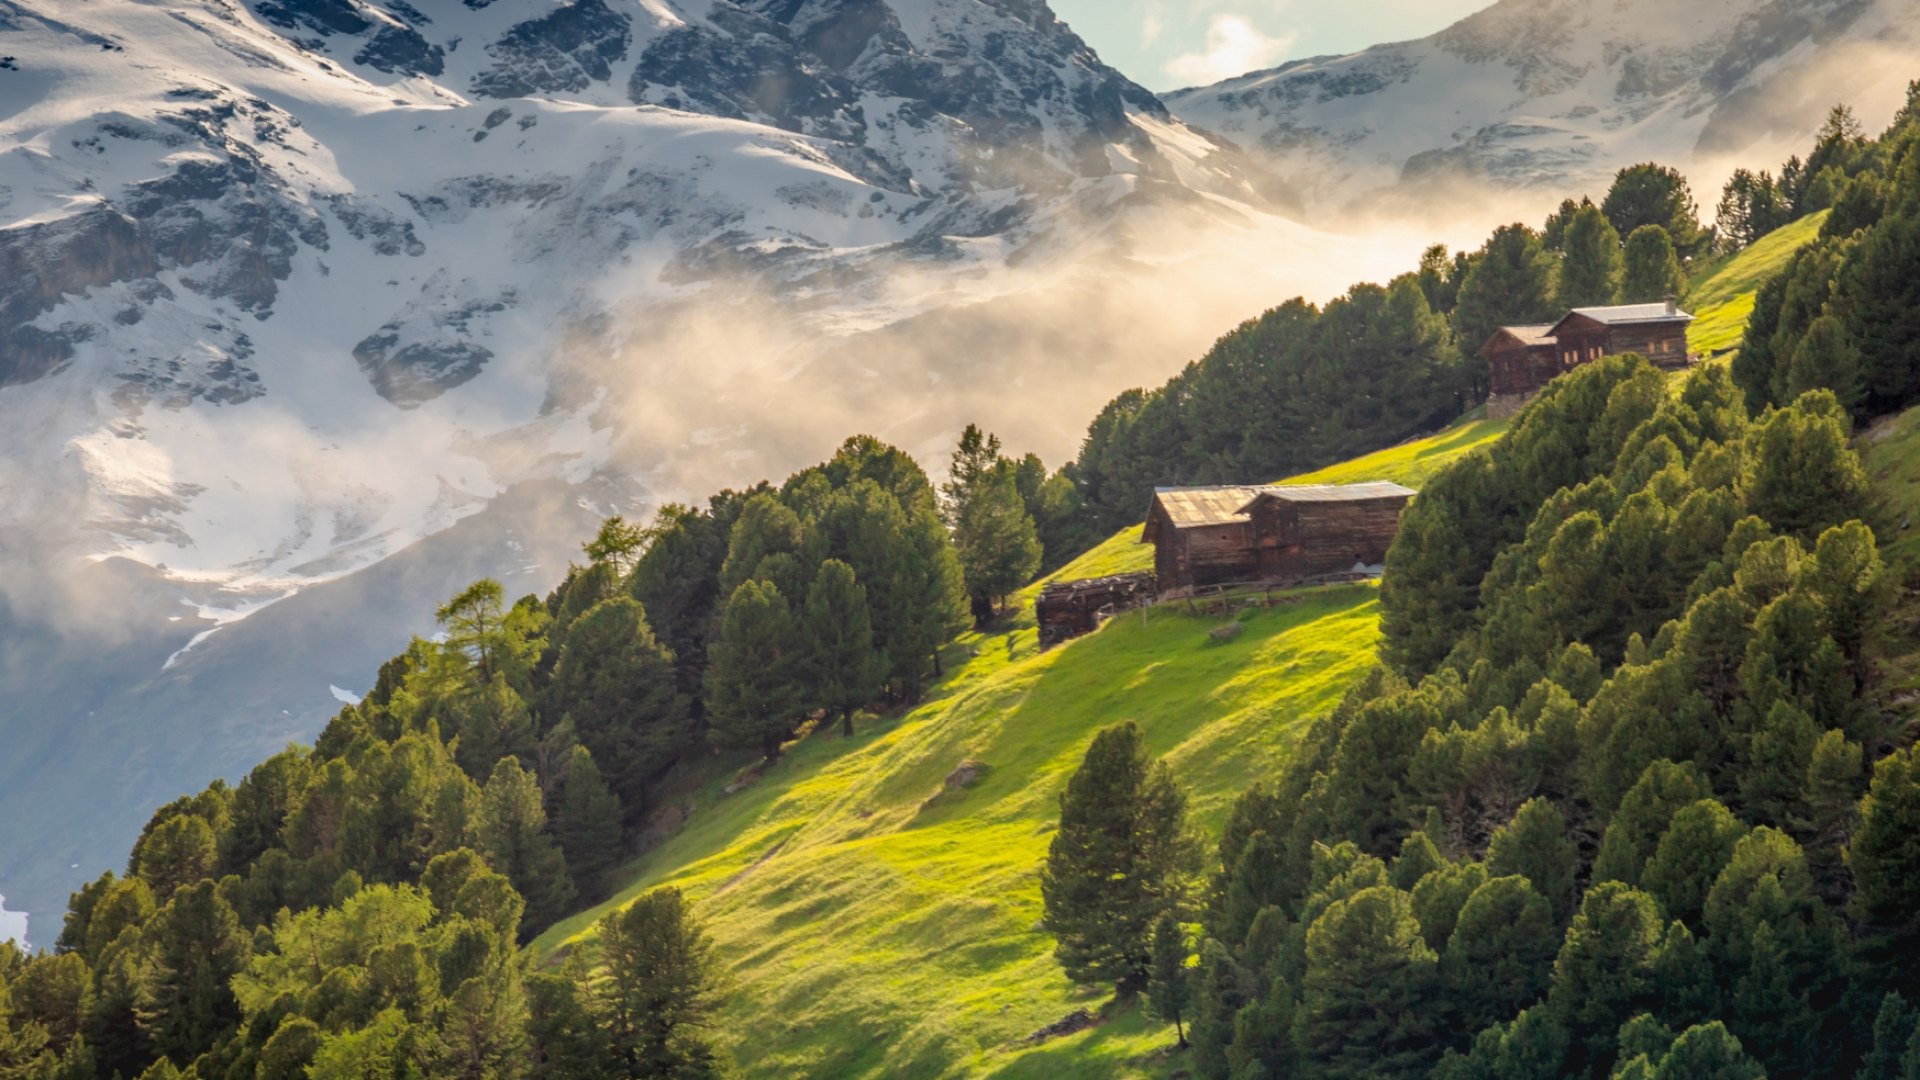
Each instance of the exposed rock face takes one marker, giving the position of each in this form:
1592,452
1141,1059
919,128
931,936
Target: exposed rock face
45,262
1555,94
568,50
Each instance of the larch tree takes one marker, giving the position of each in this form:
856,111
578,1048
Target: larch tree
998,545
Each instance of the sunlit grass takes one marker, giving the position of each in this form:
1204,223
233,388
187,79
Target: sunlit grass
875,923
1723,293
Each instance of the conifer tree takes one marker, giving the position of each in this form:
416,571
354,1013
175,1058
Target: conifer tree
1535,845
661,988
1656,195
998,546
587,823
1604,971
1170,983
845,671
491,722
1651,270
193,948
1120,860
616,683
753,687
1500,954
1368,999
1511,282
1690,856
512,835
1708,1052
1884,856
1590,269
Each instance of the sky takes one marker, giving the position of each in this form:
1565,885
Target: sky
1169,44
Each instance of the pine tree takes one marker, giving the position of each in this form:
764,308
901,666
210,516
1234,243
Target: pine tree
193,948
1500,954
491,722
660,993
1170,983
1708,1052
1604,971
616,683
1656,195
846,672
1536,846
512,834
753,684
587,823
1651,270
1590,270
1690,856
1368,1000
766,526
1120,859
1884,855
1511,282
998,545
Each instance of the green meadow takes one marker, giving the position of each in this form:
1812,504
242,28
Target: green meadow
876,920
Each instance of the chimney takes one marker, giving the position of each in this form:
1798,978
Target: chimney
1673,304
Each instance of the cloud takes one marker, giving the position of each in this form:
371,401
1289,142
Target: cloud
1234,47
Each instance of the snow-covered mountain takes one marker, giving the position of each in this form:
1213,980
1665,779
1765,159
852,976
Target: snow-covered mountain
289,288
1557,94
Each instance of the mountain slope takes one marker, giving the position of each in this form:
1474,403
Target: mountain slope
1557,94
887,914
288,287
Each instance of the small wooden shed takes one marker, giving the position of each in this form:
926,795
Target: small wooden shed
1655,331
1211,536
1068,609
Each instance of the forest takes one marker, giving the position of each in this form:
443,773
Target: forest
1625,796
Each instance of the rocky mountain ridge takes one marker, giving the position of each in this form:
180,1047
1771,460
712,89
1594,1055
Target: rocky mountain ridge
1552,95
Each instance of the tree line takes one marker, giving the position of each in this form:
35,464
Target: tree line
1845,314
1303,386
358,907
1623,799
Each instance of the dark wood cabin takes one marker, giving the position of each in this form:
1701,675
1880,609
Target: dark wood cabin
1212,536
1067,609
1655,331
1520,360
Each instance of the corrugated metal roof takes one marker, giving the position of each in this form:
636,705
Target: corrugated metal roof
1631,313
1199,507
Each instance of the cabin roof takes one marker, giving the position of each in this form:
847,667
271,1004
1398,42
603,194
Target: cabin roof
1329,493
1201,507
1626,315
1530,335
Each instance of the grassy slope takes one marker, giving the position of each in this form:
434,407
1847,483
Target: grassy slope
1723,294
878,924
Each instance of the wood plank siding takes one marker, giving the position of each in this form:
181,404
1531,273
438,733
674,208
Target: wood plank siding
1204,537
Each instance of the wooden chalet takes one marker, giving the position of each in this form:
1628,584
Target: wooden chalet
1523,359
1520,360
1217,536
1655,331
